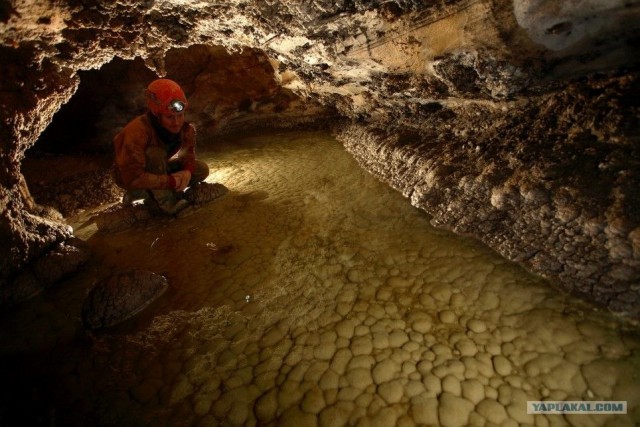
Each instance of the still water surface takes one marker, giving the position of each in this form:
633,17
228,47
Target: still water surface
312,294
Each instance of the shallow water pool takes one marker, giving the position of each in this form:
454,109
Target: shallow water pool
312,294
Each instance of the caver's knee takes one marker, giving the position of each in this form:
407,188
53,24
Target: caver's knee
200,173
156,160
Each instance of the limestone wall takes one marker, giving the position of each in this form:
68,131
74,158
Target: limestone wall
546,182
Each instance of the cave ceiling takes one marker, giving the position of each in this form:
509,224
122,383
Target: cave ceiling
348,52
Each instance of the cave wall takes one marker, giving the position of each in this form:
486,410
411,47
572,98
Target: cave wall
550,183
461,105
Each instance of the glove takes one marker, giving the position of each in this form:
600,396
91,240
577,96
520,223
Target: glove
182,179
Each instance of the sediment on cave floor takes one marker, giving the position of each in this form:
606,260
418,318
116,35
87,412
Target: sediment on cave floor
311,294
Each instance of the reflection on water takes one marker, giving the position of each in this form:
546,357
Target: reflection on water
313,295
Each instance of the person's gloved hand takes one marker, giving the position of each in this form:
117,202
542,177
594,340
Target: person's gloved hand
182,179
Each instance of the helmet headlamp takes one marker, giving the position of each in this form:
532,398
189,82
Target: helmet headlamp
176,106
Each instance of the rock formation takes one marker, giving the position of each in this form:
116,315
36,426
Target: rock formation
515,121
120,296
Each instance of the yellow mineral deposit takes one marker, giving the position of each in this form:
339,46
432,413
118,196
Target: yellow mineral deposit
335,303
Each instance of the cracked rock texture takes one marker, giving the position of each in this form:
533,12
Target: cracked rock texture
515,121
205,192
120,296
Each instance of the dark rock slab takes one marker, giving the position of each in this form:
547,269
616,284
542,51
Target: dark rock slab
120,297
62,260
120,217
204,192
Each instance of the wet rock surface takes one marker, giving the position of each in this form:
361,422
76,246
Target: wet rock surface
204,192
60,261
120,217
120,297
552,193
399,323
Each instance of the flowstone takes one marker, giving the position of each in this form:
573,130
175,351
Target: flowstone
120,297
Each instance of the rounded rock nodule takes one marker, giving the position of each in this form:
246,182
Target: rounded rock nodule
120,297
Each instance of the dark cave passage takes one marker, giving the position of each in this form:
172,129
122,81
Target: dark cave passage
105,97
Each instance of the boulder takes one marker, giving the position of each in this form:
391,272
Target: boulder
120,297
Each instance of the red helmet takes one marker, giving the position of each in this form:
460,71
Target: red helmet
165,96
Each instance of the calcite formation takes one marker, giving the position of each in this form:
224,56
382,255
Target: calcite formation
62,260
119,217
328,301
120,296
513,121
535,181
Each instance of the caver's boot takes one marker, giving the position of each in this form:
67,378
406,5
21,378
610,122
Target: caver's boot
177,207
165,202
131,196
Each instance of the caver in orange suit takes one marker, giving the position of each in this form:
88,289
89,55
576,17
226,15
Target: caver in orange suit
155,152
